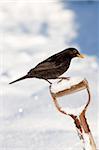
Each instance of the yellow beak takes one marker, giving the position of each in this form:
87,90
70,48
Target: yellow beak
80,55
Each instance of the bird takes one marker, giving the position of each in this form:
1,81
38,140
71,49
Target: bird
53,67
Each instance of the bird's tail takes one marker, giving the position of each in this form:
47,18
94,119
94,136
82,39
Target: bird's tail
22,78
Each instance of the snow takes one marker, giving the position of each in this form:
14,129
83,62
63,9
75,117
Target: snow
31,31
87,142
74,111
20,110
65,84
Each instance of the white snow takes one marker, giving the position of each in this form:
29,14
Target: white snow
20,110
65,84
87,142
74,111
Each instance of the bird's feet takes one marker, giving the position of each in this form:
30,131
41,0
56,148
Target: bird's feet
62,78
48,81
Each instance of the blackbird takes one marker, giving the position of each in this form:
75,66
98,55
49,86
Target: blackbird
54,66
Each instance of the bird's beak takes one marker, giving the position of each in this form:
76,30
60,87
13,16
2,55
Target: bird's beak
80,55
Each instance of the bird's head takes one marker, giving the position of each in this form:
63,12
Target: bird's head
73,52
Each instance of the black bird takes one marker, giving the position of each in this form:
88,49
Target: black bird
52,67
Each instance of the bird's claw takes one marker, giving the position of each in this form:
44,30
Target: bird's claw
63,78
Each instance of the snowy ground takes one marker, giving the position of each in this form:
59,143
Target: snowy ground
28,119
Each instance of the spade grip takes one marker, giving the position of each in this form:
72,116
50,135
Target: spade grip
66,87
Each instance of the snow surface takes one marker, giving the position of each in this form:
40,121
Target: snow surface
65,84
87,142
32,31
73,111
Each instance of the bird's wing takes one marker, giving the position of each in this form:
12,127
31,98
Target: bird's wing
52,62
46,66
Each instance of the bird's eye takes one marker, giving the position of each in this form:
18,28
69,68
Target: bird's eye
74,51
